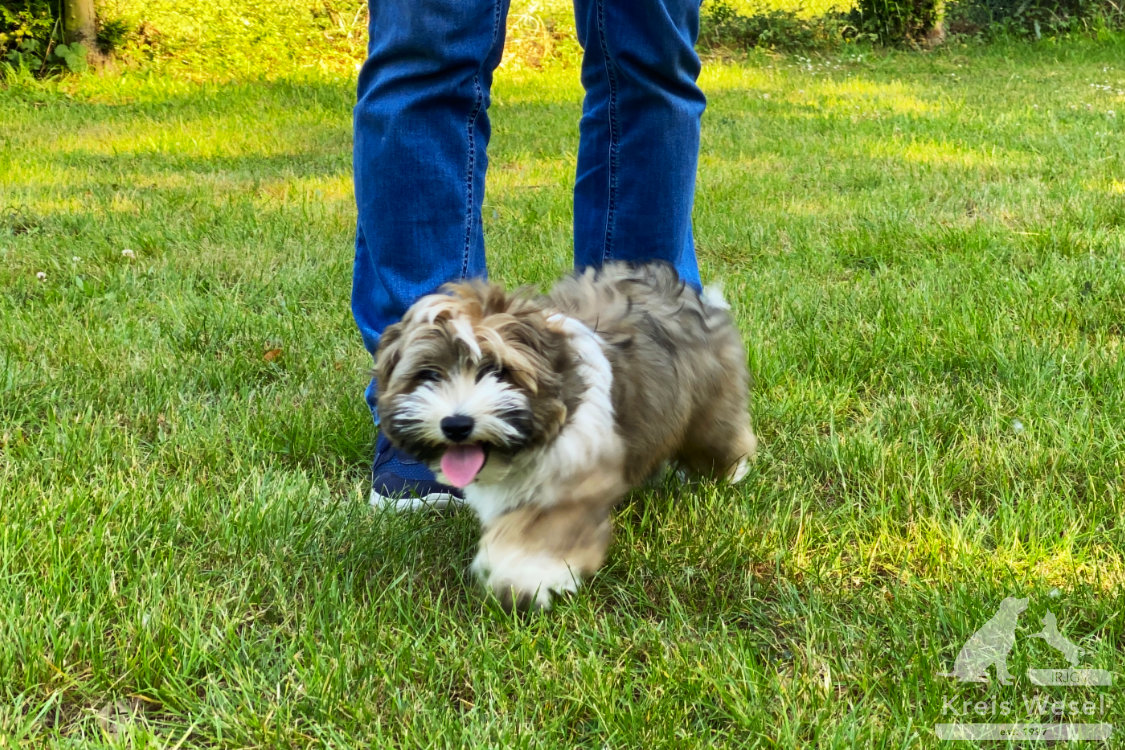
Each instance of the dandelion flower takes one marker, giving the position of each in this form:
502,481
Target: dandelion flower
127,253
41,276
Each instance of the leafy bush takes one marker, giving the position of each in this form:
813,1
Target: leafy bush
724,26
216,38
897,21
540,31
31,40
73,56
235,37
25,33
1031,18
33,21
112,33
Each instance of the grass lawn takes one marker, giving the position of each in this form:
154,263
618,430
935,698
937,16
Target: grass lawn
926,254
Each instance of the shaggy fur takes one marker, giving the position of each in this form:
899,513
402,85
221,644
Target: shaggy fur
547,410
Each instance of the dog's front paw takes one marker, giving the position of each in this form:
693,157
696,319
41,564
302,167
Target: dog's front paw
523,580
531,554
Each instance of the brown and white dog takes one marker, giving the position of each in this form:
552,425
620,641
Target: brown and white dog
547,410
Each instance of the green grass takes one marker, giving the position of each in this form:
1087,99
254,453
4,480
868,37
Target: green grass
925,253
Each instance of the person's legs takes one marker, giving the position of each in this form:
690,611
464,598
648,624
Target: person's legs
639,147
421,130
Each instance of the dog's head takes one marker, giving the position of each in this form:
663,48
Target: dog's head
1014,605
471,377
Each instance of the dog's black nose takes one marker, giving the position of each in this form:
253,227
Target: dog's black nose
458,427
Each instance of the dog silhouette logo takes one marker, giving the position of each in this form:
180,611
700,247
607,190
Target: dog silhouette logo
990,646
1070,650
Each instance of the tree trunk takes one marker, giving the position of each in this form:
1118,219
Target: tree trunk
79,25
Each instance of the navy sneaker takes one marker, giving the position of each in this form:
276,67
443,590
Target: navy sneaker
402,482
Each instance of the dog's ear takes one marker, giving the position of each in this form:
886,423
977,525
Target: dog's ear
533,350
389,354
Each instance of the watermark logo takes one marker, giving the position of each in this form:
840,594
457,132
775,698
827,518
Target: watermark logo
988,650
990,646
1069,649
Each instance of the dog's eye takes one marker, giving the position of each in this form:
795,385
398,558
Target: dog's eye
500,373
427,376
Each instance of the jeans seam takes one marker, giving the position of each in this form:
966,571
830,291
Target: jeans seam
614,137
497,20
469,169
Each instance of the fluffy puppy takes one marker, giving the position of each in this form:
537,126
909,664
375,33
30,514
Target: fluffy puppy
547,410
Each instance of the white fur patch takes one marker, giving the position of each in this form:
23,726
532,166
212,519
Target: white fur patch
713,296
464,331
526,573
434,306
587,446
740,470
428,308
462,394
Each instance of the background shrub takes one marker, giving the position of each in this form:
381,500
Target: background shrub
31,39
20,22
229,38
897,21
727,26
25,33
235,37
540,32
1031,18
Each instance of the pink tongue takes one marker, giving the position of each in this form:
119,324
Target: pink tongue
462,463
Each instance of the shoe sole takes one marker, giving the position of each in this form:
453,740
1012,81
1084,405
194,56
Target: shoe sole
431,501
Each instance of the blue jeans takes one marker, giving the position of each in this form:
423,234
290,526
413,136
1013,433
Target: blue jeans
422,130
